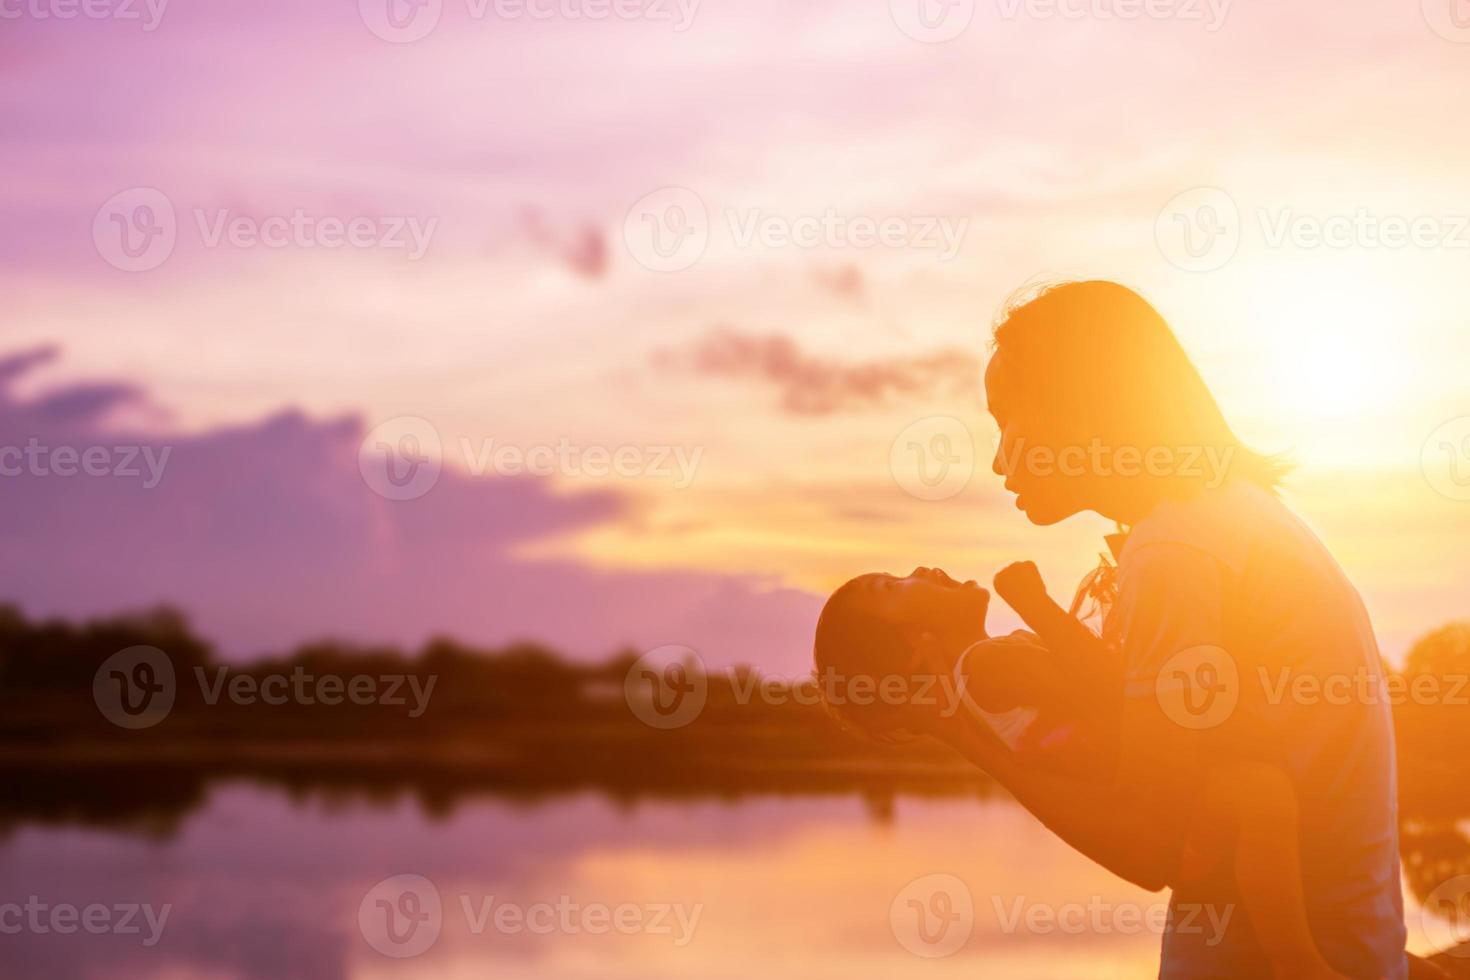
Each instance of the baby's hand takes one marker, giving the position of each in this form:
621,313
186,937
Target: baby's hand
1020,585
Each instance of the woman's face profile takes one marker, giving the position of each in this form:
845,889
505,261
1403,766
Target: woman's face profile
1027,453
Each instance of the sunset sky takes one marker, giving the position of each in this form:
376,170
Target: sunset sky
533,319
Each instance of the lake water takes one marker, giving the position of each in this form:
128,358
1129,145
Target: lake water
260,885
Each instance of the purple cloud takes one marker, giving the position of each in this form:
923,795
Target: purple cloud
267,535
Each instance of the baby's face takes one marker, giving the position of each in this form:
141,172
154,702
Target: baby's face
928,599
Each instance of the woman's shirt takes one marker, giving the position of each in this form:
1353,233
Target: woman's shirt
1236,620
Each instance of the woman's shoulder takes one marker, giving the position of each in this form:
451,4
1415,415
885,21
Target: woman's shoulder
1223,522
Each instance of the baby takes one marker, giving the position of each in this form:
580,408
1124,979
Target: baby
926,629
1055,696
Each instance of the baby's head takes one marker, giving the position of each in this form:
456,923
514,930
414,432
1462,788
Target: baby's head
879,629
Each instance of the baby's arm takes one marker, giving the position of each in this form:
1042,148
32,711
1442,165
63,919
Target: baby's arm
1079,654
1258,803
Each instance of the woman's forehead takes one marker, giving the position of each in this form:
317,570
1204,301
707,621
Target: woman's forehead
994,387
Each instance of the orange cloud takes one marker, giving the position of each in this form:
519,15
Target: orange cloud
812,385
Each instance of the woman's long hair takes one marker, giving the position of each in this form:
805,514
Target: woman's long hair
1097,362
1093,361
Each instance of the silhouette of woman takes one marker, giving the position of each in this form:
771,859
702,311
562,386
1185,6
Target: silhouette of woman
1220,594
1230,642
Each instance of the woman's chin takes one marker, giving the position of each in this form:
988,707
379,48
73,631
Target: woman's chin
1038,513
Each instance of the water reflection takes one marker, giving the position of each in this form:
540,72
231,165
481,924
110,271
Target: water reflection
262,886
265,877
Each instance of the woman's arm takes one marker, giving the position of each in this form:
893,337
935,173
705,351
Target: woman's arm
1133,816
1117,832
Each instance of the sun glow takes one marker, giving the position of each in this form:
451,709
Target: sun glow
1329,346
